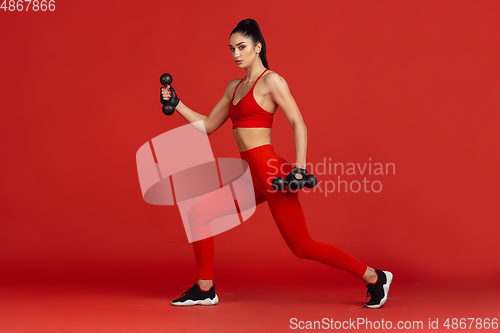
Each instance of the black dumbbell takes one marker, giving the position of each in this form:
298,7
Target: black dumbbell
308,181
169,105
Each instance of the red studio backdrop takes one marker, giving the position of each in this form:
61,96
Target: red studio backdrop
414,86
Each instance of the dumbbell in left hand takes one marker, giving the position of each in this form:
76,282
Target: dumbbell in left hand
293,183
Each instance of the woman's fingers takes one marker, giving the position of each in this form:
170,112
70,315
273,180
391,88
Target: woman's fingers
165,93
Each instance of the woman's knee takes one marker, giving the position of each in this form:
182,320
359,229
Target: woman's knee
300,250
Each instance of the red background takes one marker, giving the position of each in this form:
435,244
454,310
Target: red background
416,84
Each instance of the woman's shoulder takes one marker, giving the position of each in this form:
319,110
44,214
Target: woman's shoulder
234,82
273,79
230,88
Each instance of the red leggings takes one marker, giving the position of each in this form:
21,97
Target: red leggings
287,212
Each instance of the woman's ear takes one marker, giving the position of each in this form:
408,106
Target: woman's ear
258,47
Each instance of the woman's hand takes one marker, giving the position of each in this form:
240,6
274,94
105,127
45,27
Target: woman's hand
165,92
168,94
296,174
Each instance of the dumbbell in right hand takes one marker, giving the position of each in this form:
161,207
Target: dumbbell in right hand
170,104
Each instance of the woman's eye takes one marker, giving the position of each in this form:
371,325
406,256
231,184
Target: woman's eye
242,47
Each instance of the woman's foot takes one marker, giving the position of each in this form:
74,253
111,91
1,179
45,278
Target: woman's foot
379,290
195,295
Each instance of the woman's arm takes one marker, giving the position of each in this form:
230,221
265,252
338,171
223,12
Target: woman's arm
218,115
282,96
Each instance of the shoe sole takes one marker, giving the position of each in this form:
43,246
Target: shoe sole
386,286
189,302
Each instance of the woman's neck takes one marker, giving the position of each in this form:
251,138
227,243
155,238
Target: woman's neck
253,72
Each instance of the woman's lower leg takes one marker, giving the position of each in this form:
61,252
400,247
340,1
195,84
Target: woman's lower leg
205,285
370,275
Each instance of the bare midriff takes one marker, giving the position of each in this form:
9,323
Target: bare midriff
251,137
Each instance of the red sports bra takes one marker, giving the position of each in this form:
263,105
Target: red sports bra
247,113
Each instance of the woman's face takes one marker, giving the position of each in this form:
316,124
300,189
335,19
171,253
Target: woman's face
242,49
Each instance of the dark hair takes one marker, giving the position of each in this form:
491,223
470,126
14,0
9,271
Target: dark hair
250,29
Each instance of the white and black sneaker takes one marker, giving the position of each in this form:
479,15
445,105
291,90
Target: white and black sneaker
378,290
195,295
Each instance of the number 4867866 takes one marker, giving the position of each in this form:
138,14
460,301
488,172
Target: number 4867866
25,5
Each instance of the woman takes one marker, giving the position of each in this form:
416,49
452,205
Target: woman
251,103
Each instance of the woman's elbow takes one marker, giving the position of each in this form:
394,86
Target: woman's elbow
209,130
208,127
299,125
213,125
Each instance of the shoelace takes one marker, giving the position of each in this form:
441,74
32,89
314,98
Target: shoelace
368,293
187,291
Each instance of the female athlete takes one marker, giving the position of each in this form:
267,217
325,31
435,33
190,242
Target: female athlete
251,103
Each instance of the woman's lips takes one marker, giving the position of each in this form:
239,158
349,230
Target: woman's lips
239,61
